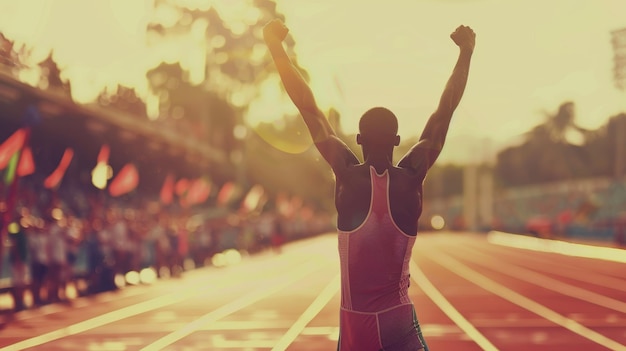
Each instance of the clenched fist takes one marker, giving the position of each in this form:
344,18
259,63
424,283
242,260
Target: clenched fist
464,37
275,30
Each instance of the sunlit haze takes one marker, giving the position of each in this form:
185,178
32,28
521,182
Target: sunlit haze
530,56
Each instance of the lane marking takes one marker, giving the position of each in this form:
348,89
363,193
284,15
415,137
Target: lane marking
557,246
321,331
271,288
100,320
550,266
85,301
222,343
133,310
247,325
437,297
523,301
551,284
313,310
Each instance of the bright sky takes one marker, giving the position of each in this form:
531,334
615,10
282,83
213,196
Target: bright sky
531,55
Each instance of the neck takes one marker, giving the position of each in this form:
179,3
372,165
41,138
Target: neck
380,161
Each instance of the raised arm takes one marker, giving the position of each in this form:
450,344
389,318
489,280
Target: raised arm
336,153
297,88
425,152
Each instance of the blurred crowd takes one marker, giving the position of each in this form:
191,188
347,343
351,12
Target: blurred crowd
94,243
591,209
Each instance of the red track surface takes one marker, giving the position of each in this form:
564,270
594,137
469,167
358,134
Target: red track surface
470,294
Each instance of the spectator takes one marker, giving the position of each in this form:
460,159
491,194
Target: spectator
57,248
95,257
38,246
18,259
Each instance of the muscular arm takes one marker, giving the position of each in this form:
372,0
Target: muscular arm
424,154
298,90
334,151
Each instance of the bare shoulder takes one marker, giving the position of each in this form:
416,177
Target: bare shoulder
337,154
408,174
419,159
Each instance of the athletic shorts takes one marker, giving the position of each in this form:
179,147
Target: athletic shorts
394,329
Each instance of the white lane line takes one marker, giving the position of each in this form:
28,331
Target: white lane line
557,246
565,270
129,311
221,343
79,302
522,301
316,306
437,297
271,287
549,283
101,320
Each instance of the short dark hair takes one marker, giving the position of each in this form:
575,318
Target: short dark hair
378,122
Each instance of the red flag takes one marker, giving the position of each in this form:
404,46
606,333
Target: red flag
12,145
125,181
55,177
167,190
181,188
103,155
26,166
199,191
182,185
225,193
12,148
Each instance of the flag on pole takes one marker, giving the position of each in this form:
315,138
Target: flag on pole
26,165
53,180
198,192
125,181
228,192
167,190
12,145
20,158
103,155
181,187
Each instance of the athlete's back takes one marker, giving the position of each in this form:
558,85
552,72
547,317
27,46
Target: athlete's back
353,192
376,311
378,204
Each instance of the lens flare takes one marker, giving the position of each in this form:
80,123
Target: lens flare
290,137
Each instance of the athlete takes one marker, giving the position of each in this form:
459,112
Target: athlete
378,203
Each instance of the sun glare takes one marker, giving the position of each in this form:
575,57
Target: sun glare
401,61
271,109
237,13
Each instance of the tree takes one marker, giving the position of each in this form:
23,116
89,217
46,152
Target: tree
226,60
51,76
555,150
123,98
8,55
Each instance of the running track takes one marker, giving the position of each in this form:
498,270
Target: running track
471,291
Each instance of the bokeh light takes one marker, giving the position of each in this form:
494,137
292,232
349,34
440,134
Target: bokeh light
437,222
